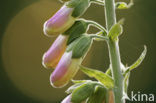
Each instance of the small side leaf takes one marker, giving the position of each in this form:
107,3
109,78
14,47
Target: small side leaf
109,72
82,92
105,79
123,5
126,82
138,62
116,30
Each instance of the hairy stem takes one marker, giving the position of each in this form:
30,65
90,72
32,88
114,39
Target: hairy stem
98,36
114,53
95,24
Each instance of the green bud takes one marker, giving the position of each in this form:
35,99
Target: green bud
82,92
78,28
80,6
80,46
123,5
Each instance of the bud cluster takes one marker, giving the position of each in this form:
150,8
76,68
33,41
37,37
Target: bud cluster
68,50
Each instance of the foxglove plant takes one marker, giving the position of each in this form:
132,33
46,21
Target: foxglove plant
71,46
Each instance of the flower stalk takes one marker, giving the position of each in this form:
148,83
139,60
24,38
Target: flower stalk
114,53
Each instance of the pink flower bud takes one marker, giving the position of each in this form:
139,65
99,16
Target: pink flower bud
60,22
67,99
65,70
55,52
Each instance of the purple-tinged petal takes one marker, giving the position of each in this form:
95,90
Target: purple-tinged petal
60,22
55,52
65,70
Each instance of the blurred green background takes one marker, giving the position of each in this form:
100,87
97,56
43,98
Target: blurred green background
23,79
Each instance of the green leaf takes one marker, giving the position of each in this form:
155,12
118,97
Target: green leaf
82,92
105,79
116,30
138,62
123,5
99,96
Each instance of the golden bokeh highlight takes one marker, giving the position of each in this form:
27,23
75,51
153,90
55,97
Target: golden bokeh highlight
22,50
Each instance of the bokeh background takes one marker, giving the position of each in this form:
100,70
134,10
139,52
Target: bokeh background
23,79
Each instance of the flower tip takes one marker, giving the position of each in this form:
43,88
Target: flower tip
47,66
56,84
44,63
44,28
46,31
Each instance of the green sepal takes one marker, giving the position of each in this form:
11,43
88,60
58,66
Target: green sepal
77,29
80,8
80,46
116,30
99,95
73,87
123,5
138,62
83,92
72,3
105,79
77,83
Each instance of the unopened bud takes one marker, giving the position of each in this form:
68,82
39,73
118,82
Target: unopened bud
60,22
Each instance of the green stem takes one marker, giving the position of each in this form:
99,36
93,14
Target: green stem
114,53
98,36
95,24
